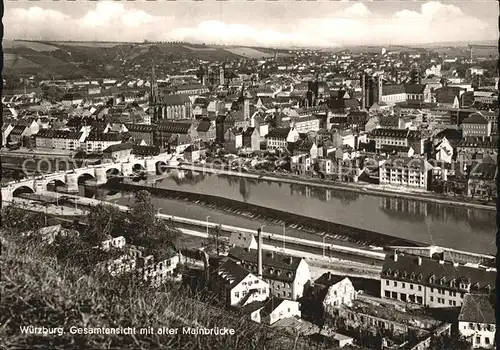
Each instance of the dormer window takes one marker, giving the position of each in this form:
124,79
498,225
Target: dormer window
420,276
395,273
404,274
452,283
431,279
388,272
412,276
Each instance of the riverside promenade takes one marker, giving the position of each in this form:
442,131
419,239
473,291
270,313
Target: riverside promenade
368,189
318,263
82,201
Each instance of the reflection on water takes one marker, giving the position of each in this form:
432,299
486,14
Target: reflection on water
452,226
404,209
323,194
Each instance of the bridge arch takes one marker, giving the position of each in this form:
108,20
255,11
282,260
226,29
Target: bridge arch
85,177
161,167
22,189
113,173
55,183
138,168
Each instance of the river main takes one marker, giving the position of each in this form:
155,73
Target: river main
430,223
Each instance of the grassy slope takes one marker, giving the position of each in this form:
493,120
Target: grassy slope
37,290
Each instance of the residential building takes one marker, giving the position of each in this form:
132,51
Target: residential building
242,240
395,323
411,172
393,122
6,129
482,179
118,153
400,151
166,131
143,132
285,274
206,131
59,139
340,291
392,137
473,148
477,322
97,142
304,147
157,273
280,137
435,283
306,123
276,309
476,125
71,99
233,139
192,153
444,151
343,137
251,138
237,286
301,164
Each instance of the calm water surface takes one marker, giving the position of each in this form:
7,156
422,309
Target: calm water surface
445,225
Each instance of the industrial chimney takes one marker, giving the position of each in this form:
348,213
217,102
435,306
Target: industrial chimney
259,252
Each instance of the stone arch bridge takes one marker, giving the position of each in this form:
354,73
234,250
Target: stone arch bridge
100,173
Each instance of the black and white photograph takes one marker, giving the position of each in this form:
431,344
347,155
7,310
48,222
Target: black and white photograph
261,175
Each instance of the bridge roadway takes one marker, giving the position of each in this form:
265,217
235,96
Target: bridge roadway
278,241
38,183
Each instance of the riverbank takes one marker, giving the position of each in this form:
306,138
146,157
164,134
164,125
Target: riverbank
352,187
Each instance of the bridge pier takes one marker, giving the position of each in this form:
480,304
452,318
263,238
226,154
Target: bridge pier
72,183
150,165
7,194
127,169
100,176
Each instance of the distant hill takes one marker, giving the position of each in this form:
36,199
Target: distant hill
35,46
59,58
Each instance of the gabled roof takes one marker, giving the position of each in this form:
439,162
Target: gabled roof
393,89
415,88
389,122
477,142
477,308
270,306
174,100
275,265
279,133
118,147
406,267
145,150
174,127
475,118
417,164
231,273
328,279
248,132
204,126
140,127
398,133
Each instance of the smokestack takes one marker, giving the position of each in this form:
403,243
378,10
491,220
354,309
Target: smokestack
363,92
259,252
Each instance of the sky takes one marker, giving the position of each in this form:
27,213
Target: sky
282,23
